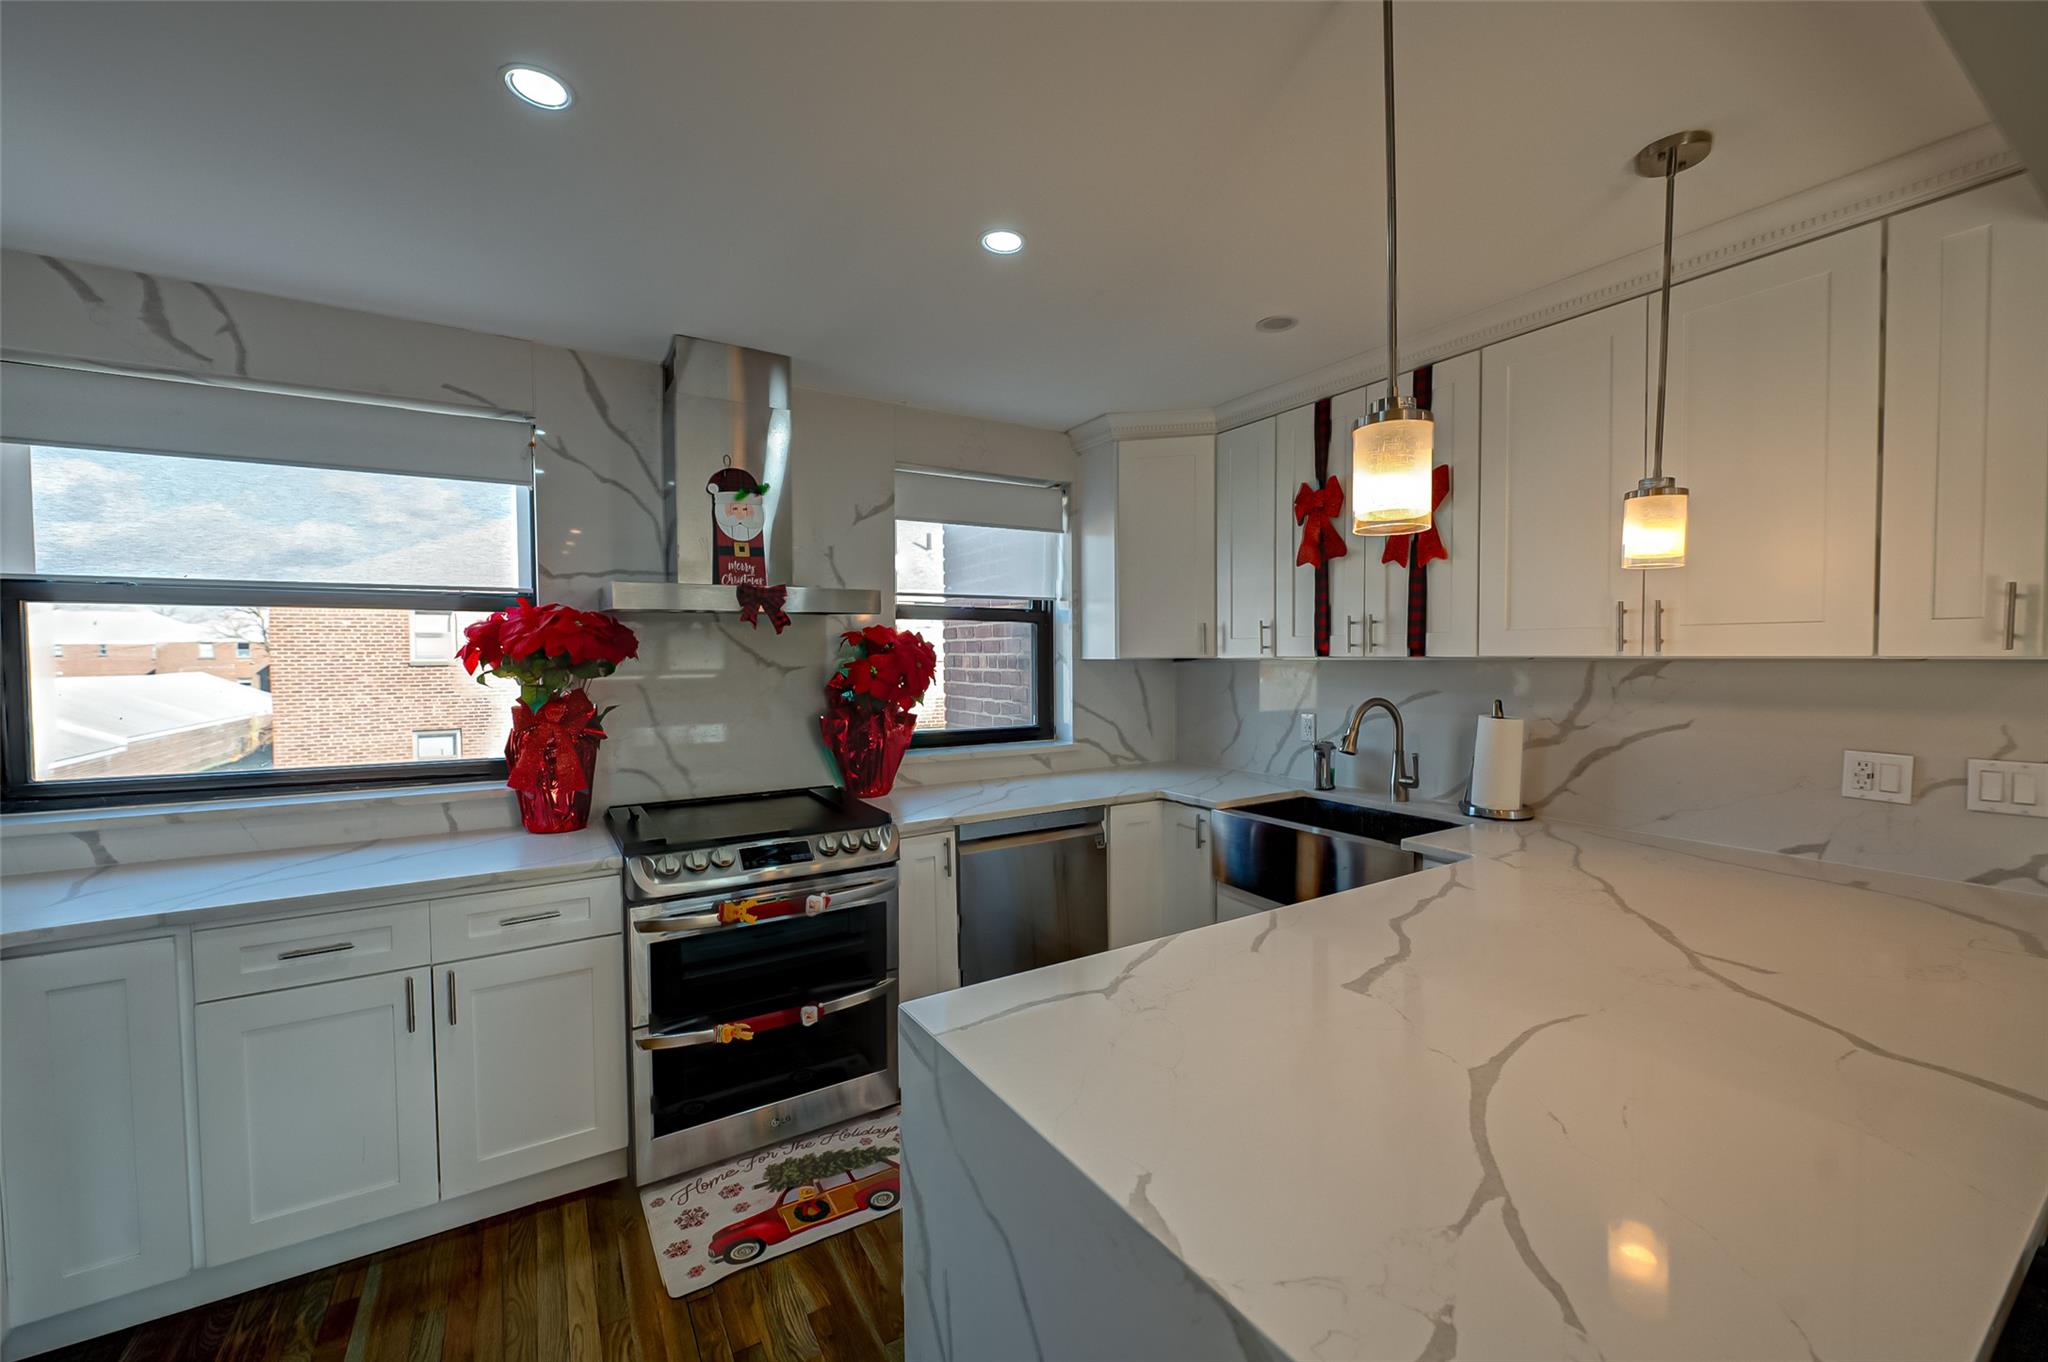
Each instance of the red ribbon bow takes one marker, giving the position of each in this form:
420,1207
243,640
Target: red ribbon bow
1429,545
755,599
1313,511
543,743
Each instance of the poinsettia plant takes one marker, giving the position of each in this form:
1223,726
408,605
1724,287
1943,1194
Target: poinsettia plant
549,650
883,668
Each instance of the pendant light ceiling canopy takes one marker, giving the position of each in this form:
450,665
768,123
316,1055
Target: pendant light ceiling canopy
1394,445
1653,516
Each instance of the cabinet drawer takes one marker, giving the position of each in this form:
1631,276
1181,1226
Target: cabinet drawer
512,919
228,962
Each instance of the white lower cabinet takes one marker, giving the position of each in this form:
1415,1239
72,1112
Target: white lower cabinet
1137,872
316,1110
927,916
530,1069
1190,881
93,1167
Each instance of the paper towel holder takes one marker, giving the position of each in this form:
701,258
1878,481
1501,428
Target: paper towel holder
1517,814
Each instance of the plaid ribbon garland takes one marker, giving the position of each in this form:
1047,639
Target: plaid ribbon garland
1322,569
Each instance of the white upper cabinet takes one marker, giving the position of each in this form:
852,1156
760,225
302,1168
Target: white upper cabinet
529,1072
95,1177
1246,476
1771,422
1294,588
1146,518
1562,438
1371,619
1965,543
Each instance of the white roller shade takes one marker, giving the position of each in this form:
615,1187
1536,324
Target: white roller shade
90,409
979,501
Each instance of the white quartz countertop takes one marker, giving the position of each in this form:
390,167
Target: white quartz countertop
928,808
1583,1094
66,904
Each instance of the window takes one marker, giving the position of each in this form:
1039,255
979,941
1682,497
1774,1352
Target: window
979,567
432,744
433,637
329,583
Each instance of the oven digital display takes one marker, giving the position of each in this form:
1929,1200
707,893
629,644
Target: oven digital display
778,853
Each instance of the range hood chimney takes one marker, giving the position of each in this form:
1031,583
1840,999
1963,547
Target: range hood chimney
728,406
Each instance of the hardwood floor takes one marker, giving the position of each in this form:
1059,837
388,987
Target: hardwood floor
563,1281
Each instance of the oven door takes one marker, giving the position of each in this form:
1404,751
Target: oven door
748,1032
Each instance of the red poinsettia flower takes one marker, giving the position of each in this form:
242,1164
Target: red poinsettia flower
549,650
883,668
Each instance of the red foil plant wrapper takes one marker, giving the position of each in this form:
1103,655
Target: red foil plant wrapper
552,652
882,675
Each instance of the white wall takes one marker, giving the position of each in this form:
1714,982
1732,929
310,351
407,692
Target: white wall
712,706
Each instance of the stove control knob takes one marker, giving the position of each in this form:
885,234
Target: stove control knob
848,842
827,847
722,858
886,836
694,862
871,839
664,865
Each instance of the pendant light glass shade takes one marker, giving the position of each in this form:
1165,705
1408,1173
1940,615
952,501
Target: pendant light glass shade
1653,526
1392,453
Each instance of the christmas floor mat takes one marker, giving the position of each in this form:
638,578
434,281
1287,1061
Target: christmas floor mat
711,1223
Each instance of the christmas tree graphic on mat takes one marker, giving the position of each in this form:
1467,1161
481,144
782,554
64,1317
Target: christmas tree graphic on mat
815,1189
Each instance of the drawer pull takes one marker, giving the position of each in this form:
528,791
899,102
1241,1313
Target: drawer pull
525,918
303,952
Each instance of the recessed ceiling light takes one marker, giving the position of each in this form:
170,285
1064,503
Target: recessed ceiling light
1001,242
1275,323
537,87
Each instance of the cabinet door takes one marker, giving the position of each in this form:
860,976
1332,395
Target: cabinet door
1190,882
1245,460
1294,587
316,1110
1381,629
927,916
1137,872
530,1061
1561,438
1966,428
95,1178
1771,422
1165,546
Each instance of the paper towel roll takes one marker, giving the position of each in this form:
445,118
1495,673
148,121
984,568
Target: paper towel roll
1497,764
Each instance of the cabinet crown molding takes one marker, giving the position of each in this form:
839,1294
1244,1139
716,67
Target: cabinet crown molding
1141,425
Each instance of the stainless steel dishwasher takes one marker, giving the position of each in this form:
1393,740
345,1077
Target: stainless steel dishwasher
1034,890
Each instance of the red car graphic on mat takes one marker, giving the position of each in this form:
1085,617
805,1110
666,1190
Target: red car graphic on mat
876,1187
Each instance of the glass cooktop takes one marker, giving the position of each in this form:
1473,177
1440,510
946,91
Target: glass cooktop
684,824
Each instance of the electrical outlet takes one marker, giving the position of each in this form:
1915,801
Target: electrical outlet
1308,727
1884,776
2014,787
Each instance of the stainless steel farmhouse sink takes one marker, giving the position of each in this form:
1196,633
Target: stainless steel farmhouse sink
1289,850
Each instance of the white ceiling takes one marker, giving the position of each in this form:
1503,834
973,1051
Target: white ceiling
812,178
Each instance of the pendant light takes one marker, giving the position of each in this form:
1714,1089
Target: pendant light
1653,515
1394,444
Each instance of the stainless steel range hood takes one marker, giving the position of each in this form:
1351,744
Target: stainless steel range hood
726,405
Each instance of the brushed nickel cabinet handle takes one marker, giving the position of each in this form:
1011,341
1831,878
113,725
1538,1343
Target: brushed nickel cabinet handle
1201,830
1657,626
525,918
305,951
1350,625
411,1018
1620,627
2012,612
451,997
1263,627
946,851
1202,637
1372,628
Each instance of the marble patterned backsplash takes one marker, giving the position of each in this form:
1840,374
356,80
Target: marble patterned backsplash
1732,752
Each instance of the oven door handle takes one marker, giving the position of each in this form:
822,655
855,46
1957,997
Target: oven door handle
727,1032
693,924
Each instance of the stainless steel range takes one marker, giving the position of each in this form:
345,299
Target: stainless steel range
762,961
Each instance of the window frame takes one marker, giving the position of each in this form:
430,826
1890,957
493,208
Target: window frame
1038,614
19,792
454,733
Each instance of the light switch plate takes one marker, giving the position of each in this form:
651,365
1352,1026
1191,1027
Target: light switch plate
2019,788
1883,776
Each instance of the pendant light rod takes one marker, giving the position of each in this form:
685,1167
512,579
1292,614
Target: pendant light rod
1393,234
1663,159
